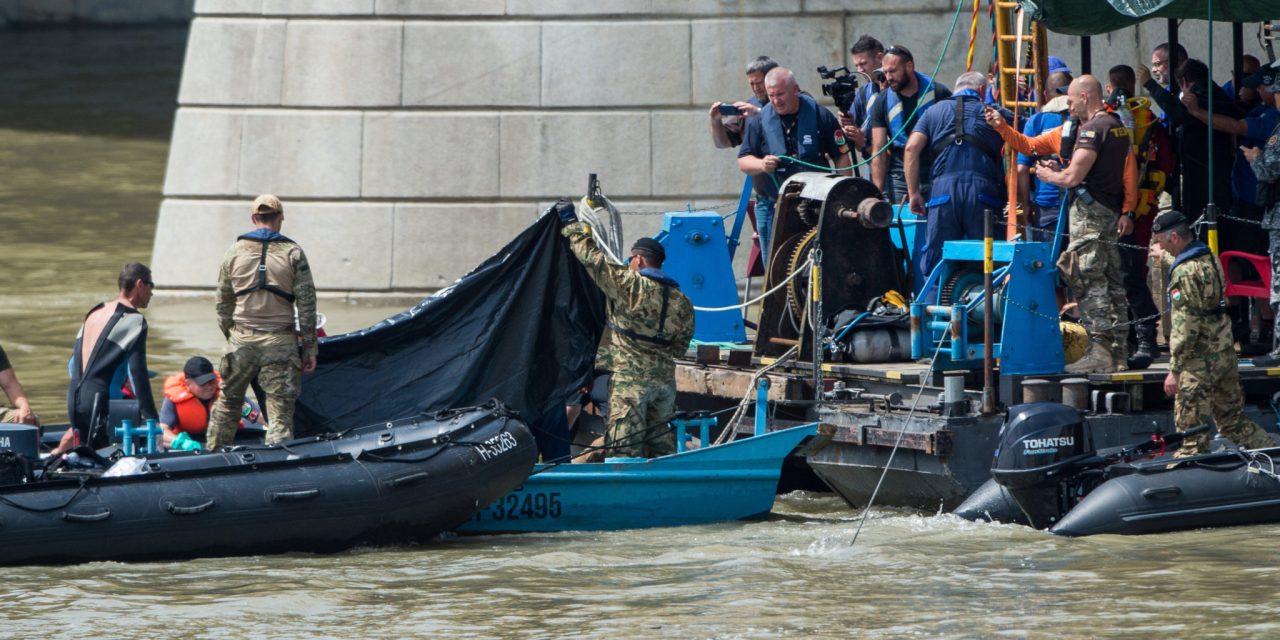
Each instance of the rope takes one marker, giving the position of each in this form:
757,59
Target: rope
874,492
732,425
955,19
799,269
973,36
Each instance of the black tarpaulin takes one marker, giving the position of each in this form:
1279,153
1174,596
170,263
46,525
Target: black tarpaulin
522,327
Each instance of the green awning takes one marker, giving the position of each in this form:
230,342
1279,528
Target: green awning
1095,17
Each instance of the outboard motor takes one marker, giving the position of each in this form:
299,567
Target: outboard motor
1043,448
18,449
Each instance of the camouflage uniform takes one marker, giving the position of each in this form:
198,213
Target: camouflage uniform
1201,353
262,339
1267,167
642,390
1090,265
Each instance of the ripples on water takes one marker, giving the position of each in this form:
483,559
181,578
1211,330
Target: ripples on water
84,122
794,575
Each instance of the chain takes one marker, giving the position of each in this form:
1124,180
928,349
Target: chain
1124,245
1054,318
1223,216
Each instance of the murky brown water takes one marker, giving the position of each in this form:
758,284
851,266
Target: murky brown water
82,157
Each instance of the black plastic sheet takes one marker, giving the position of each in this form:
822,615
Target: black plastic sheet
522,327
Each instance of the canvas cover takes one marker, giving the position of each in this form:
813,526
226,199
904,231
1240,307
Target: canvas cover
522,327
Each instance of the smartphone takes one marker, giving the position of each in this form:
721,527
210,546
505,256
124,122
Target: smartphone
730,110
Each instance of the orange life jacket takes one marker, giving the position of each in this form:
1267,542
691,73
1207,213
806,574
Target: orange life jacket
193,417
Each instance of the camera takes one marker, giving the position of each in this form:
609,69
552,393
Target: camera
729,110
842,88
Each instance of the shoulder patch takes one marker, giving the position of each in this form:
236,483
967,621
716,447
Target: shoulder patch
1088,134
1175,294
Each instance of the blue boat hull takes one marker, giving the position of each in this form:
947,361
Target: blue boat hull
732,481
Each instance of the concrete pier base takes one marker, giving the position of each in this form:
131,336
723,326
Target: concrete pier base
411,138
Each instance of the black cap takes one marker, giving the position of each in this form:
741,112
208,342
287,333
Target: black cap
1168,220
1266,77
199,370
651,247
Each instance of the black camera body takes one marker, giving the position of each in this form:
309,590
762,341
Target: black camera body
843,87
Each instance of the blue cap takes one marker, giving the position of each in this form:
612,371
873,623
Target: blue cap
1056,64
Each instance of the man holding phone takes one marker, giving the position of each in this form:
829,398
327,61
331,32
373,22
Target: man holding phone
728,120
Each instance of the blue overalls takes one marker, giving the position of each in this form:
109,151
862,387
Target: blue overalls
966,176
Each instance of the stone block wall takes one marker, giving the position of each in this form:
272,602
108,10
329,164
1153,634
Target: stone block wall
411,138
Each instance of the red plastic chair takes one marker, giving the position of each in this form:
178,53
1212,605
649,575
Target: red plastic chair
1248,288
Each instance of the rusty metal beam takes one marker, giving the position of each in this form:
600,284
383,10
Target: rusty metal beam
733,384
938,443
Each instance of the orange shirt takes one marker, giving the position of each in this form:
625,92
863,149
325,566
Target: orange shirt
1050,142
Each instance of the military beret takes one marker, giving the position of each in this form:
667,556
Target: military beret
652,247
1168,220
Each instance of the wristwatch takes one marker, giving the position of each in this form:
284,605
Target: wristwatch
1130,215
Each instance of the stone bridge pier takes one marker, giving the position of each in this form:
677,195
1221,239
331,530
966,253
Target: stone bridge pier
411,138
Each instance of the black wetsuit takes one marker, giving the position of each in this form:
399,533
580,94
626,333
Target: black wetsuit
122,343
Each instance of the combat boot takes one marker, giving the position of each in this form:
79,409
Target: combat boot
1096,360
1145,354
1270,360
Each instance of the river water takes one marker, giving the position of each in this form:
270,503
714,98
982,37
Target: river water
84,125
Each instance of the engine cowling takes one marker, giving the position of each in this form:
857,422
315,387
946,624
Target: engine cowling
1039,459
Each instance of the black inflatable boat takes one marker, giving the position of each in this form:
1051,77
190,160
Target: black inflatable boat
395,482
1047,475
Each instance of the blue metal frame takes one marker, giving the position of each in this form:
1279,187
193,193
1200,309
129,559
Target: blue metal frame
1030,340
698,259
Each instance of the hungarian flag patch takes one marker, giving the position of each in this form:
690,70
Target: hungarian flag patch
1175,294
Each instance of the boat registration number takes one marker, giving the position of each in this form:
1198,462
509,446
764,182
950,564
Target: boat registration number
526,506
496,446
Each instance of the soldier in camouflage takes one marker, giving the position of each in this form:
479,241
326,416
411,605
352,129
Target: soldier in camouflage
1204,378
1266,165
650,322
264,278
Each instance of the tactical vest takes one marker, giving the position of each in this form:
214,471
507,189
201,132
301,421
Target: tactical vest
263,287
660,338
1195,251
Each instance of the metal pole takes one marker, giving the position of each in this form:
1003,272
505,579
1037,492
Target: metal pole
1237,54
988,316
1211,209
1086,54
816,322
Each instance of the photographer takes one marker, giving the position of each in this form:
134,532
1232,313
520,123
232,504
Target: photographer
867,54
791,125
728,120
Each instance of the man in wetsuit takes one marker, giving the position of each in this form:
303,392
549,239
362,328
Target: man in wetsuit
113,339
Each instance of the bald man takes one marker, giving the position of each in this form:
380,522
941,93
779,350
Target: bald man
1095,180
791,127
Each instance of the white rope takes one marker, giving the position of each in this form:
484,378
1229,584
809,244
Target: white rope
924,380
799,269
732,426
